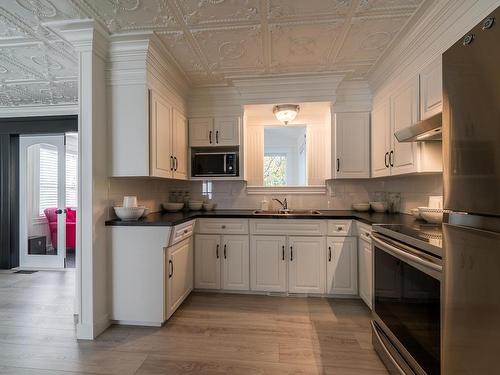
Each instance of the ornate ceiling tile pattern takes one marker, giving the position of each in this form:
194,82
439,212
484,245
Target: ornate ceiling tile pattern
212,41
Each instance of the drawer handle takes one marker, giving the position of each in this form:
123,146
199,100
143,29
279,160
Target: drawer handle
329,254
217,251
171,264
283,252
225,257
291,254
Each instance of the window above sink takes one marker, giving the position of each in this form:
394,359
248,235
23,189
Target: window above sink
290,158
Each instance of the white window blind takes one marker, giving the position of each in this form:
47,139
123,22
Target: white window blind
71,179
47,178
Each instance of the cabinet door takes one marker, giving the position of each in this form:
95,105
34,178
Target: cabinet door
201,132
431,89
227,131
207,262
161,137
404,108
352,145
180,145
180,274
380,140
365,272
306,272
236,263
268,261
342,265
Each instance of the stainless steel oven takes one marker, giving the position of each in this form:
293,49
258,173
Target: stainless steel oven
406,304
214,164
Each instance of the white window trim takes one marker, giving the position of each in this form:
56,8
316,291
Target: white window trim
267,190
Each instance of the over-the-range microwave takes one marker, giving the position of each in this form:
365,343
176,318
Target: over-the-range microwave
214,164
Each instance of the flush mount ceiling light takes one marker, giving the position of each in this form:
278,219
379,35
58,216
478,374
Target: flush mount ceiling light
286,112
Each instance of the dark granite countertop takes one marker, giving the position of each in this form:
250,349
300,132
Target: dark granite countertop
171,219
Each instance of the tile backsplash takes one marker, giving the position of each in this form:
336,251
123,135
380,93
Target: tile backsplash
415,191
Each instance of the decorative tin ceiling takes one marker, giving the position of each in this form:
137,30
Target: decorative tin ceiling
213,41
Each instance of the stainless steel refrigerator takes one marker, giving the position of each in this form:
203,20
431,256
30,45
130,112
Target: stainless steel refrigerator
471,232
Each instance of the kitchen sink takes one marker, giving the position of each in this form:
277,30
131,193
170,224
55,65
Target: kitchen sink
286,213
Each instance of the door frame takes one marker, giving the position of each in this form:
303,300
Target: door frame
49,262
10,129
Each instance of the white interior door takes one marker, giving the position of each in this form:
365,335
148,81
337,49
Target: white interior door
42,211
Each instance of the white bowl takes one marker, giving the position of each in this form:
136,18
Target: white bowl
195,205
129,213
379,206
362,207
173,206
146,212
416,213
431,215
208,206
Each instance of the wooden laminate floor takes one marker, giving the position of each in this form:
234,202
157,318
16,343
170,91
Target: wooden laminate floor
209,334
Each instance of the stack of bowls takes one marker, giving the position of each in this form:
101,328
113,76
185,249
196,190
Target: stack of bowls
129,211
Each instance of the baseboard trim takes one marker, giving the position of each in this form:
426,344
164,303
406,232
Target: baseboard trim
91,331
135,323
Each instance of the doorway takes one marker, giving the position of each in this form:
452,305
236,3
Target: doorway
48,200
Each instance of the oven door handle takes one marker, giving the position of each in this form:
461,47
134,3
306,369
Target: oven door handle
405,254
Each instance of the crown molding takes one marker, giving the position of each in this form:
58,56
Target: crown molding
83,35
441,24
33,110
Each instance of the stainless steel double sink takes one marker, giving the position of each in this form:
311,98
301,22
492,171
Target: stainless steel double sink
287,213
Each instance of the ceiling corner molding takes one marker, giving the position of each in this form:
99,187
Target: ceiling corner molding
440,25
83,35
288,89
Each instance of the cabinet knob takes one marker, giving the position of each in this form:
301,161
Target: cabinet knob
223,227
185,231
339,229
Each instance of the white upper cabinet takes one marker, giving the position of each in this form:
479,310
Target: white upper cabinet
431,89
404,113
227,131
150,141
306,272
201,131
342,265
180,145
160,137
380,138
352,145
214,131
405,107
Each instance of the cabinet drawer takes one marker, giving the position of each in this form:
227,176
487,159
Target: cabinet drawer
339,227
222,226
288,227
182,231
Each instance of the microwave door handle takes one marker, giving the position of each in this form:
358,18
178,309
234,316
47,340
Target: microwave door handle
225,164
406,255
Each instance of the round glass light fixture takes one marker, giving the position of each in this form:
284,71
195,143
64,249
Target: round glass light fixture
286,112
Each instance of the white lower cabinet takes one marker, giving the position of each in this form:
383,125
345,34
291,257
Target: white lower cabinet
222,262
306,272
365,271
236,263
179,275
342,265
149,279
268,263
207,261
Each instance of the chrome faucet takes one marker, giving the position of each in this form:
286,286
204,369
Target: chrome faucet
283,204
